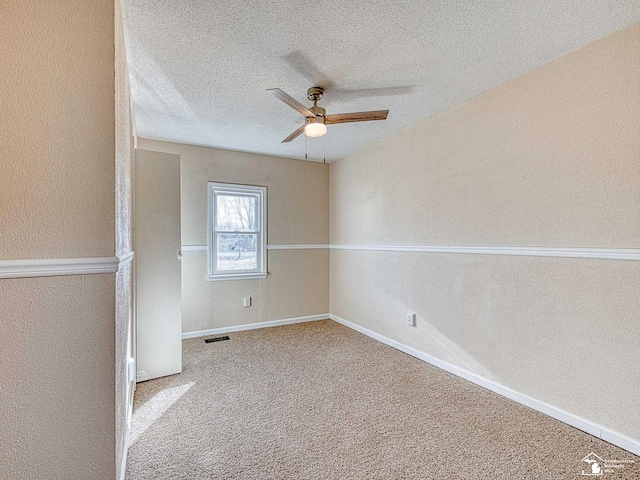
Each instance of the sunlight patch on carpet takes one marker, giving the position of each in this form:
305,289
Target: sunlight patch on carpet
147,414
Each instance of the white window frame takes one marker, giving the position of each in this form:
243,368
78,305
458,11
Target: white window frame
216,188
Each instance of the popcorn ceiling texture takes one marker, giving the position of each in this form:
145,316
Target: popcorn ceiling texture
548,159
202,67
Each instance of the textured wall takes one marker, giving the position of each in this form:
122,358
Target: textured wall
57,378
57,124
298,203
57,198
548,159
564,331
123,142
297,285
124,349
123,235
298,213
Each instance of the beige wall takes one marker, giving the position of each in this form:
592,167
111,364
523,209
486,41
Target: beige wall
57,378
57,197
298,213
549,159
297,286
56,128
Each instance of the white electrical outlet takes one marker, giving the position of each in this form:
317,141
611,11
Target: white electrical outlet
411,319
246,302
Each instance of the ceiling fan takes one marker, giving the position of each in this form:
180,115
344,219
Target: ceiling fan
316,118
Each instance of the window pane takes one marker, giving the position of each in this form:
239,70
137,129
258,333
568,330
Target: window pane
236,212
236,252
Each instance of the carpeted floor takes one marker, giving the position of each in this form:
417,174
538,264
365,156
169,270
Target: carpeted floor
320,401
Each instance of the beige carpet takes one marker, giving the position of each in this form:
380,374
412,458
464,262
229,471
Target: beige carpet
320,401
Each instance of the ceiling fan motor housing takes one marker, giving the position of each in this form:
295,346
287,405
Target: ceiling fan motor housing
315,93
320,115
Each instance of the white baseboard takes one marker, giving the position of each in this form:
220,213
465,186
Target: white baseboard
252,326
599,431
141,376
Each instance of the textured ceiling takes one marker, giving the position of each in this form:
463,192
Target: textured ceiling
200,68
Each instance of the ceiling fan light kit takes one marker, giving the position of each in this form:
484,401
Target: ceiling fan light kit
315,129
316,118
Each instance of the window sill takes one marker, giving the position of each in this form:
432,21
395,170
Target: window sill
235,276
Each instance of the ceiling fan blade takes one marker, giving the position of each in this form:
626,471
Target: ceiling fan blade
292,102
351,93
294,135
357,117
305,66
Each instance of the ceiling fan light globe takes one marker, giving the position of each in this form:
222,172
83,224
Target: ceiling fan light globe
315,129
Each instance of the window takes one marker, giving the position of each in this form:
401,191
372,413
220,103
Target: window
237,240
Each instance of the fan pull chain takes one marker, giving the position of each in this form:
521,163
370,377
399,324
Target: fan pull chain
305,148
324,150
